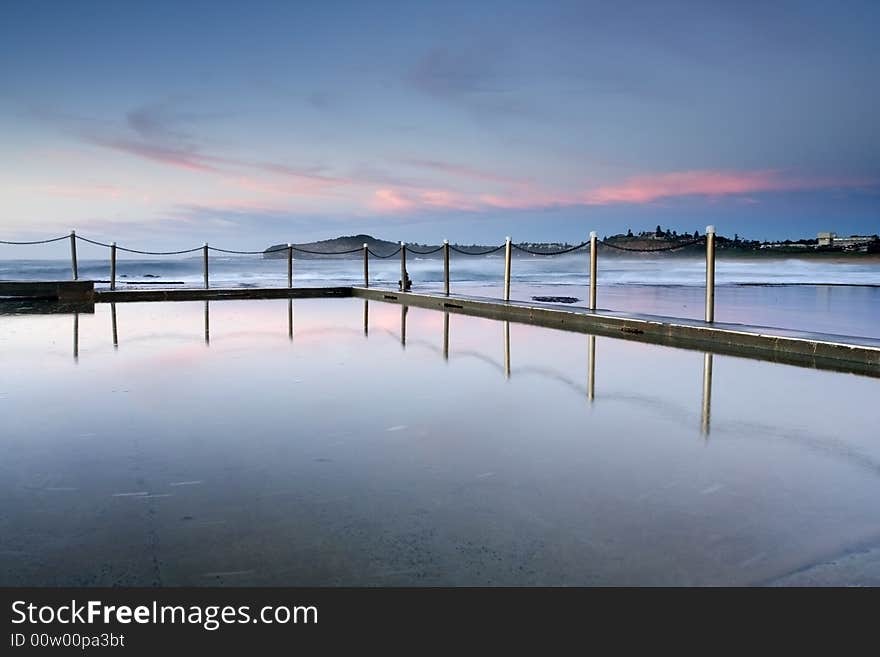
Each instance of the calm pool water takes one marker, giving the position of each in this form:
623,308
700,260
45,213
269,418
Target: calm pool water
268,443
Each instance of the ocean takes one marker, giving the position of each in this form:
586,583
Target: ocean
829,296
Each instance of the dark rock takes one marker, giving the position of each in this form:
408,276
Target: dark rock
556,299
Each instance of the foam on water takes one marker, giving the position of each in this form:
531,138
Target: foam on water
570,269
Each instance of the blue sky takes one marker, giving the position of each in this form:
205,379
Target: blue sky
252,123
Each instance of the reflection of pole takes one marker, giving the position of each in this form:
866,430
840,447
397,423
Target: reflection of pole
73,264
290,318
591,371
507,255
113,321
366,317
446,267
207,324
507,349
594,253
710,273
707,394
403,311
75,336
446,336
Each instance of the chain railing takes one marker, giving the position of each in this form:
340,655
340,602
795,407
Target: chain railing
405,283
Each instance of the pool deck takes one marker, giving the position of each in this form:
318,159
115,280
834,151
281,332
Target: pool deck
838,352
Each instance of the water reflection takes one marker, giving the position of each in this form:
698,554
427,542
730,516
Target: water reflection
113,320
366,317
707,394
591,368
290,319
207,323
446,336
540,479
507,350
75,336
504,367
404,310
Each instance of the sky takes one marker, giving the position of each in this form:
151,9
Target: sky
167,124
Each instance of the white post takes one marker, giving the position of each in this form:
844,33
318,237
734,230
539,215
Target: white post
113,266
507,254
594,252
366,265
446,267
403,267
73,264
205,258
289,265
710,273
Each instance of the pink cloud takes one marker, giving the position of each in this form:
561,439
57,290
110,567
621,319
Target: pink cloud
394,200
390,200
460,170
184,158
646,189
713,185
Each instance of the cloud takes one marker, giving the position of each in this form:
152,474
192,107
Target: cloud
443,74
460,170
478,80
647,189
183,156
640,190
392,201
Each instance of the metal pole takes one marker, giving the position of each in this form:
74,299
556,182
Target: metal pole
366,317
446,336
75,336
594,253
113,266
710,273
507,255
446,267
366,265
205,258
289,265
73,255
402,267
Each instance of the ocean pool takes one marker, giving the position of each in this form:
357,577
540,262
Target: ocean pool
345,442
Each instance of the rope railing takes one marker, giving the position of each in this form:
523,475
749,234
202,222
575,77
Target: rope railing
231,251
54,239
405,282
137,251
668,247
313,252
550,253
475,253
383,257
428,252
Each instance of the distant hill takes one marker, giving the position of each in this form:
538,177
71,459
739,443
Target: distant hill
339,245
333,246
